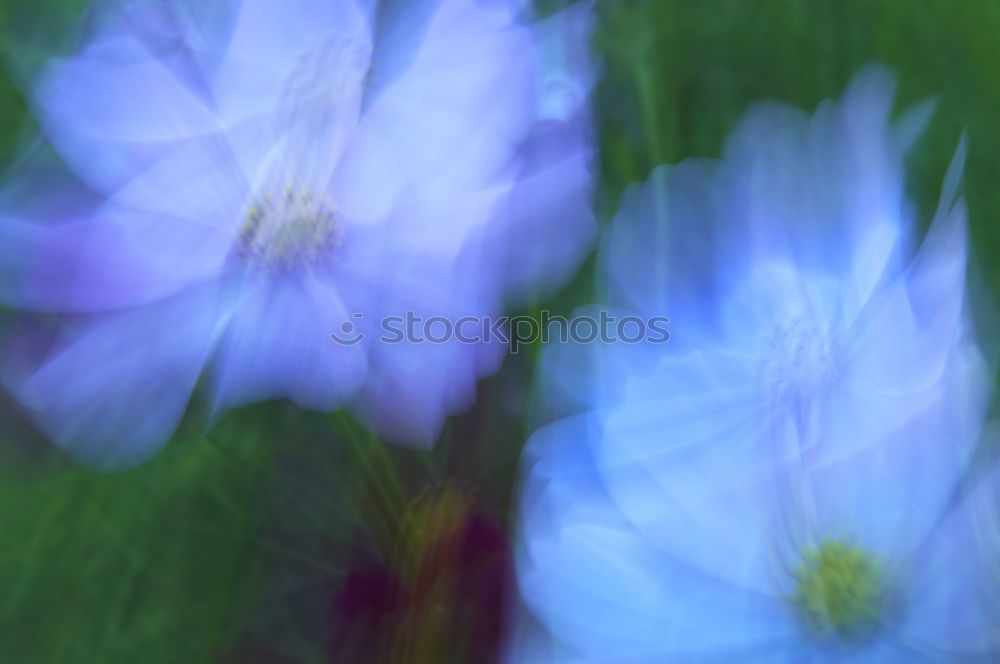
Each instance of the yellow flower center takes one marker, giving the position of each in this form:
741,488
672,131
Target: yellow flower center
840,590
294,228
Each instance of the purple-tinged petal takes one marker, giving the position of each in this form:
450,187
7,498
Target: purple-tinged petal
201,181
187,36
115,107
114,392
270,41
419,376
545,226
277,344
451,128
117,258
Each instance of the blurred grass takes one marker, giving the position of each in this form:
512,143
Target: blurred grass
154,564
175,561
13,114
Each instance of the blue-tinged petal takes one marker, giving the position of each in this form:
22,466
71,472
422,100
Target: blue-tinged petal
369,183
810,188
888,495
873,264
202,181
954,408
578,373
606,592
399,29
774,189
451,128
582,568
309,122
662,251
432,224
439,122
937,273
277,344
545,226
412,389
421,371
880,651
413,386
567,68
276,34
684,459
114,108
872,161
117,258
170,224
900,342
955,589
189,37
772,294
114,392
272,41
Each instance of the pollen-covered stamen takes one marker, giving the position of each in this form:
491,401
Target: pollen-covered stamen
841,590
295,227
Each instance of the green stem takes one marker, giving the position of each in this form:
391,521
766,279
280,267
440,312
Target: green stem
650,119
380,474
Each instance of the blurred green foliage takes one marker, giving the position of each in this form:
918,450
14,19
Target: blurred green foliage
152,565
196,556
12,114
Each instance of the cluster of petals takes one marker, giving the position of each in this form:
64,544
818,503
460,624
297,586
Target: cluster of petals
239,181
788,478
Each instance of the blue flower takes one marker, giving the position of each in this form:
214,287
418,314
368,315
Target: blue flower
257,182
777,483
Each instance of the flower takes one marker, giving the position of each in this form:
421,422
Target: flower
813,561
269,178
777,482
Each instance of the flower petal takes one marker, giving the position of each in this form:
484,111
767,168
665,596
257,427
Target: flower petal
114,392
608,592
443,112
419,372
544,228
955,575
901,340
685,458
117,258
277,344
270,42
115,107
